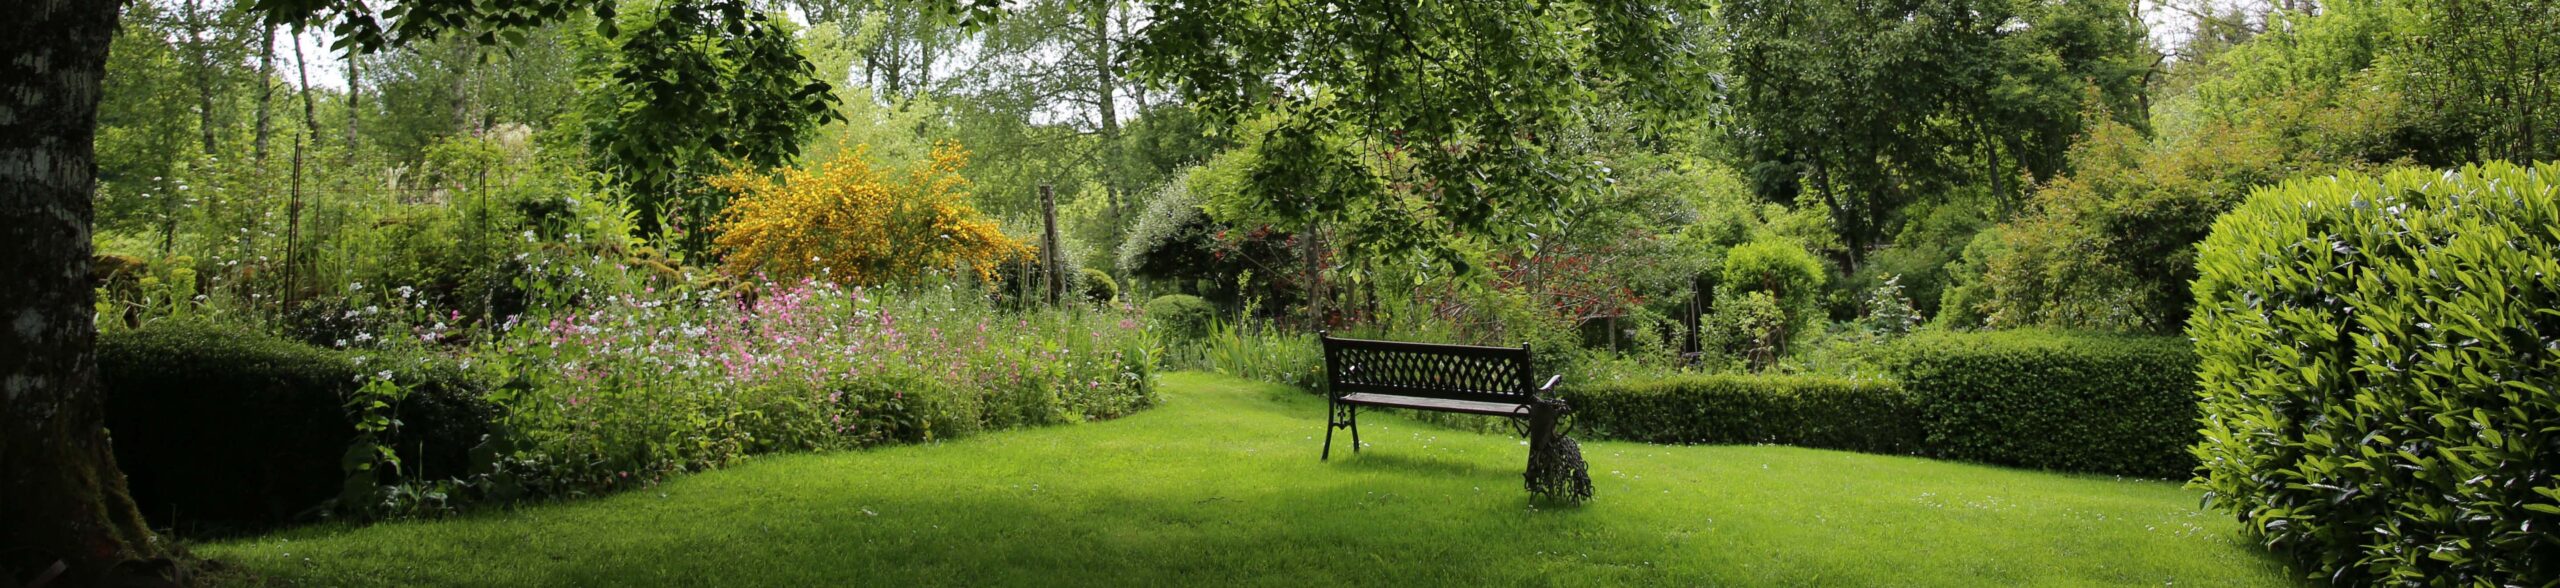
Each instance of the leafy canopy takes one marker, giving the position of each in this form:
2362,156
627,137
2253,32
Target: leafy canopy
1405,125
697,87
1875,106
702,81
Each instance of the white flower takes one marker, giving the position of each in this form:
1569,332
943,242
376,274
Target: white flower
384,374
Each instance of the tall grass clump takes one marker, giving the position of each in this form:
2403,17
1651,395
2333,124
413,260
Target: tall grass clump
1251,349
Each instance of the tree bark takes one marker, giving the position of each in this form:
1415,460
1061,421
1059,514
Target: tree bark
200,53
266,92
62,499
288,293
355,106
1105,86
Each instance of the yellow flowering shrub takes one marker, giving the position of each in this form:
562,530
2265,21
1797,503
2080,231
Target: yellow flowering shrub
849,222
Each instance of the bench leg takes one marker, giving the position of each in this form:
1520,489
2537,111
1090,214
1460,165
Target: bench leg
1355,430
1330,409
1341,416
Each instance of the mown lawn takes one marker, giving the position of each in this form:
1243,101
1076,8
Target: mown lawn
1221,486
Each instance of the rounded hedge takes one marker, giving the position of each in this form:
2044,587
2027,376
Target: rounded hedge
222,428
1097,286
1180,316
2060,400
2379,357
1757,276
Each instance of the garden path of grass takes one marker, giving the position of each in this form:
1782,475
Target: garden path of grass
1220,486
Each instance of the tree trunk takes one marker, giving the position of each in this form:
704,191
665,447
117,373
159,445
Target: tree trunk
461,87
355,94
201,55
266,93
61,497
1842,217
286,296
1105,85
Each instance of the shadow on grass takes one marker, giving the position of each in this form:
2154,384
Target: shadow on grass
1219,535
1375,458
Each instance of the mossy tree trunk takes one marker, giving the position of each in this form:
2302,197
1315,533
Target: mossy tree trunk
61,497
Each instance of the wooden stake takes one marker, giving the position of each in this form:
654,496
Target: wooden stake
1050,262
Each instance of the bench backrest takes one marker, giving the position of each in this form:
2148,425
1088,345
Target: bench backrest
1455,372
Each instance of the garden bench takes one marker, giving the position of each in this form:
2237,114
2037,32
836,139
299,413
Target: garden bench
1466,379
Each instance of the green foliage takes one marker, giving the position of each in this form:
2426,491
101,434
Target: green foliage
2112,246
699,87
228,429
1765,276
1750,326
1097,286
640,387
1179,245
2086,402
1384,130
1165,140
1783,270
2484,69
1889,313
2437,82
2378,356
1171,239
1180,317
1867,107
1854,415
1255,350
1934,234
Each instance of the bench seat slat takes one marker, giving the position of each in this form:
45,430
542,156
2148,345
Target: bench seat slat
1503,396
1437,404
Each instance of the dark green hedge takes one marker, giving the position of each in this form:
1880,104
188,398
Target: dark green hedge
2381,374
1855,415
2113,404
223,429
1180,317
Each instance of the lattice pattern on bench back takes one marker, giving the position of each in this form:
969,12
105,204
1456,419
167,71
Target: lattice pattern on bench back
1460,372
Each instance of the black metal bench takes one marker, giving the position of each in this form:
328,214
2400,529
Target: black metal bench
1455,378
1465,379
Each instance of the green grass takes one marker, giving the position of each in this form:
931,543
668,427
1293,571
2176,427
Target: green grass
1221,486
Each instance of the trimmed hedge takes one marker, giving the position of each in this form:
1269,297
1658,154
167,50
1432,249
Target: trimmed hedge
223,429
2085,402
1855,415
2380,358
1097,286
1181,317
